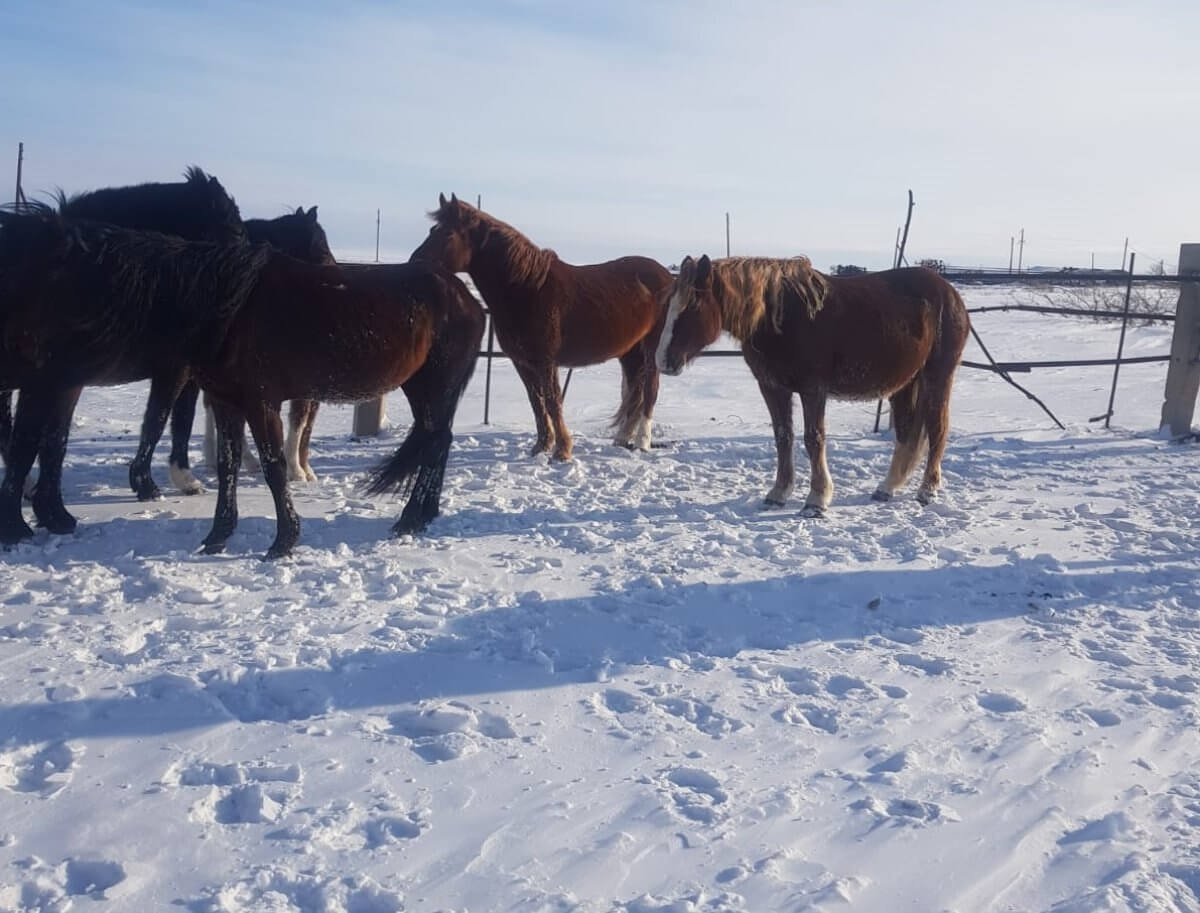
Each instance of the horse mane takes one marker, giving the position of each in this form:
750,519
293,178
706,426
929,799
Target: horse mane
122,281
199,207
757,288
523,261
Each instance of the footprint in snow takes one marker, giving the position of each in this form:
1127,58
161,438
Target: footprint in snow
45,771
694,794
450,730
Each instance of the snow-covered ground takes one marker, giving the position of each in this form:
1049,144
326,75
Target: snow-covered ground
619,684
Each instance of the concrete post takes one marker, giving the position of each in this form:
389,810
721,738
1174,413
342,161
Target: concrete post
368,418
1183,374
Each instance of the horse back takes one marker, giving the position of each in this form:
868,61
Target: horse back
328,333
604,309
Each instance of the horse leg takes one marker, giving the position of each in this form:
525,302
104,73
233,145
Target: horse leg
650,377
820,486
6,424
267,428
935,403
301,415
537,391
164,387
306,439
48,505
34,410
183,413
563,444
910,438
230,428
779,404
633,418
297,413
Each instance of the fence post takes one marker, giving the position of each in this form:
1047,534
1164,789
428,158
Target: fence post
1183,375
487,381
368,418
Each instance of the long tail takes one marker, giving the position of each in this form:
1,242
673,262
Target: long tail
422,449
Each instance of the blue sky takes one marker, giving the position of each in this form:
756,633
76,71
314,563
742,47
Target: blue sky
632,127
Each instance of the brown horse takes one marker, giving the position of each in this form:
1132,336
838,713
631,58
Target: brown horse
549,313
328,334
898,333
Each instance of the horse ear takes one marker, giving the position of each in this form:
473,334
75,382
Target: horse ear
442,200
454,198
312,214
703,272
299,211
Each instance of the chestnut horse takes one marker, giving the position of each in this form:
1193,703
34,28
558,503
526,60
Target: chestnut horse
898,333
549,313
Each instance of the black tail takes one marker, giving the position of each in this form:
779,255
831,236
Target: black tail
422,449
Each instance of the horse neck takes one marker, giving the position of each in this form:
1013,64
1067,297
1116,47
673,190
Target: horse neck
491,271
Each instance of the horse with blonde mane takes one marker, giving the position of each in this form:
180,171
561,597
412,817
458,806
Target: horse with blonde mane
549,313
898,333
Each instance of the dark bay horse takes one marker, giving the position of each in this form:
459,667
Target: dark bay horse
898,333
86,303
549,313
196,209
333,334
301,236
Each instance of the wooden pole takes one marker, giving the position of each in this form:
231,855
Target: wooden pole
1112,395
19,196
1124,252
1012,243
1021,251
727,235
377,220
904,238
1183,371
487,377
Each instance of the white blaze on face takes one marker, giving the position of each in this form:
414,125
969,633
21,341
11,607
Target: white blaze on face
664,341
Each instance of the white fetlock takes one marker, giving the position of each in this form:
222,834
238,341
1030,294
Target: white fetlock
185,481
641,434
309,475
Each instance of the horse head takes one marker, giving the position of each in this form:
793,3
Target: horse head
693,318
297,234
213,210
451,240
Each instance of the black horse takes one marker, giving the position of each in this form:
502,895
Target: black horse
88,303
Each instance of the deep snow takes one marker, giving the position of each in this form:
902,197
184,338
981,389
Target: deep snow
619,684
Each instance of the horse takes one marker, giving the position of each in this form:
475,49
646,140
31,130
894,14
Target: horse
549,313
338,334
301,236
898,333
88,303
198,208
255,326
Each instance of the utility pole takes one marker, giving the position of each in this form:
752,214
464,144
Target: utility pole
19,196
1021,251
1124,252
1093,261
727,235
376,235
1012,244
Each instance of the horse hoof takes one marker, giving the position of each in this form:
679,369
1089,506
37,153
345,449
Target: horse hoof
277,551
149,494
881,495
812,512
212,548
926,497
14,533
770,503
409,527
59,525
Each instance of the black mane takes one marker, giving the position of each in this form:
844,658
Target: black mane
198,208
